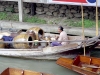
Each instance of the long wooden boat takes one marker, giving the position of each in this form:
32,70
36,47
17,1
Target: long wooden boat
82,64
70,51
23,42
15,71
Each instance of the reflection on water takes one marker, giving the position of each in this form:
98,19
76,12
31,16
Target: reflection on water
36,65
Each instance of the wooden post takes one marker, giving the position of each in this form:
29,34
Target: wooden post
20,6
97,30
83,26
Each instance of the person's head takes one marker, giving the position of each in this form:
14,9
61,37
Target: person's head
60,29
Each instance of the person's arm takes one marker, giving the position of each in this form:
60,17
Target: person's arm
56,37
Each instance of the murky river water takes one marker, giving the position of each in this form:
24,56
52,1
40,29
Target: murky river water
38,65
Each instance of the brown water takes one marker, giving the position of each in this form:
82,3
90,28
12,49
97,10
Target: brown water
35,65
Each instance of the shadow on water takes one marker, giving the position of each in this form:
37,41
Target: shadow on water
95,53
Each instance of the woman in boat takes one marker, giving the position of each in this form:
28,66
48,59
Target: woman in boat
62,37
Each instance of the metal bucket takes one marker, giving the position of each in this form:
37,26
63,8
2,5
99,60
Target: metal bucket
23,37
38,32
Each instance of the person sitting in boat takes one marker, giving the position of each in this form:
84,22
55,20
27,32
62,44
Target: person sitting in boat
62,37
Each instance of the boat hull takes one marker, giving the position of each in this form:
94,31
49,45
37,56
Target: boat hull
34,54
84,65
15,71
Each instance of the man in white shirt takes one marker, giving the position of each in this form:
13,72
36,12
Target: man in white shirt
62,37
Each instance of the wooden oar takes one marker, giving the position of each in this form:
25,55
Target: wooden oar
90,66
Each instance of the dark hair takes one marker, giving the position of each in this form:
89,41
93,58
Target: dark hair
61,28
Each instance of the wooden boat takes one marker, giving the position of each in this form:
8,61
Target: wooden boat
47,52
22,48
14,71
82,64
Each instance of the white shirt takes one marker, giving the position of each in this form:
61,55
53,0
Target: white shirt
63,37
